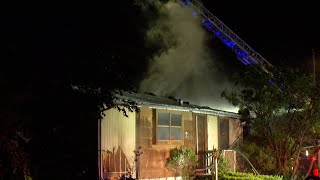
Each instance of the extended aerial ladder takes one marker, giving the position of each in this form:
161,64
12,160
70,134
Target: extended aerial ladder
243,51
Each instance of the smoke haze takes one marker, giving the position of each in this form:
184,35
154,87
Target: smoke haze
187,69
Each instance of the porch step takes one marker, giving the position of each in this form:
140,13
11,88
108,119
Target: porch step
206,174
203,169
200,171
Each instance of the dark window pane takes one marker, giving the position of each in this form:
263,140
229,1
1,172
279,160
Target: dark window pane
163,133
175,133
163,119
176,119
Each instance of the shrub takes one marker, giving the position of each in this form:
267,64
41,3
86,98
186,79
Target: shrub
261,157
236,175
223,165
182,161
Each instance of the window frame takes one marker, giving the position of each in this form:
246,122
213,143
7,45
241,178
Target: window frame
169,142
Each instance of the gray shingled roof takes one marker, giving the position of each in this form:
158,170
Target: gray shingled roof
152,101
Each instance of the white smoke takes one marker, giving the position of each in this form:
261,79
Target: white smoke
186,70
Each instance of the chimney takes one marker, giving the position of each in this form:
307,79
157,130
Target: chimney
181,102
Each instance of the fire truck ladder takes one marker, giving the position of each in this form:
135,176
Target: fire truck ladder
243,51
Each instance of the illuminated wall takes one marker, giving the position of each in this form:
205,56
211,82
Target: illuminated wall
213,135
117,143
235,130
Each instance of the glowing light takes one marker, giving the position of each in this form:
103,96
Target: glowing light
229,43
307,153
315,172
244,62
242,55
194,13
183,2
207,24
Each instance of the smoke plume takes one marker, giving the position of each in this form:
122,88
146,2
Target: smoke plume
187,69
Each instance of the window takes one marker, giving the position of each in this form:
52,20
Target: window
169,126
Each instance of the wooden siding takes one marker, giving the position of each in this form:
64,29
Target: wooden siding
144,128
202,145
189,128
223,132
117,143
152,161
121,135
235,130
231,156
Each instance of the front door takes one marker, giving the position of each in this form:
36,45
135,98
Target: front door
201,138
224,133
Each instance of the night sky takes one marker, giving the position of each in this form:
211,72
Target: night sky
66,40
273,29
283,33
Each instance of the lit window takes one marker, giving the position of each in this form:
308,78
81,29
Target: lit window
169,126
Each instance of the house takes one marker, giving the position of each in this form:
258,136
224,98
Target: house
139,144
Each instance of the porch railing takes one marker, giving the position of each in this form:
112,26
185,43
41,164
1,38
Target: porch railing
207,166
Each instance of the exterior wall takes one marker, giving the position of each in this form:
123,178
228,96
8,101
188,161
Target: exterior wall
231,155
117,143
121,136
152,161
235,130
144,128
223,130
189,129
213,135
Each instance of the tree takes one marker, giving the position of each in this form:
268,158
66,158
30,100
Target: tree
284,106
60,66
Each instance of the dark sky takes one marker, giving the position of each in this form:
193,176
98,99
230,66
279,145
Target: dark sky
68,40
280,32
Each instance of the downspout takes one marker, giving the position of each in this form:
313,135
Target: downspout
197,137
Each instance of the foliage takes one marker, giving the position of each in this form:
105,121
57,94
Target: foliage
260,156
13,155
283,105
182,161
237,175
223,165
57,74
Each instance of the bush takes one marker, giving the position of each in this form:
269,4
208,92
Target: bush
182,161
261,157
223,165
236,175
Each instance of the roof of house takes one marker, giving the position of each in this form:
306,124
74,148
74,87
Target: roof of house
170,103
